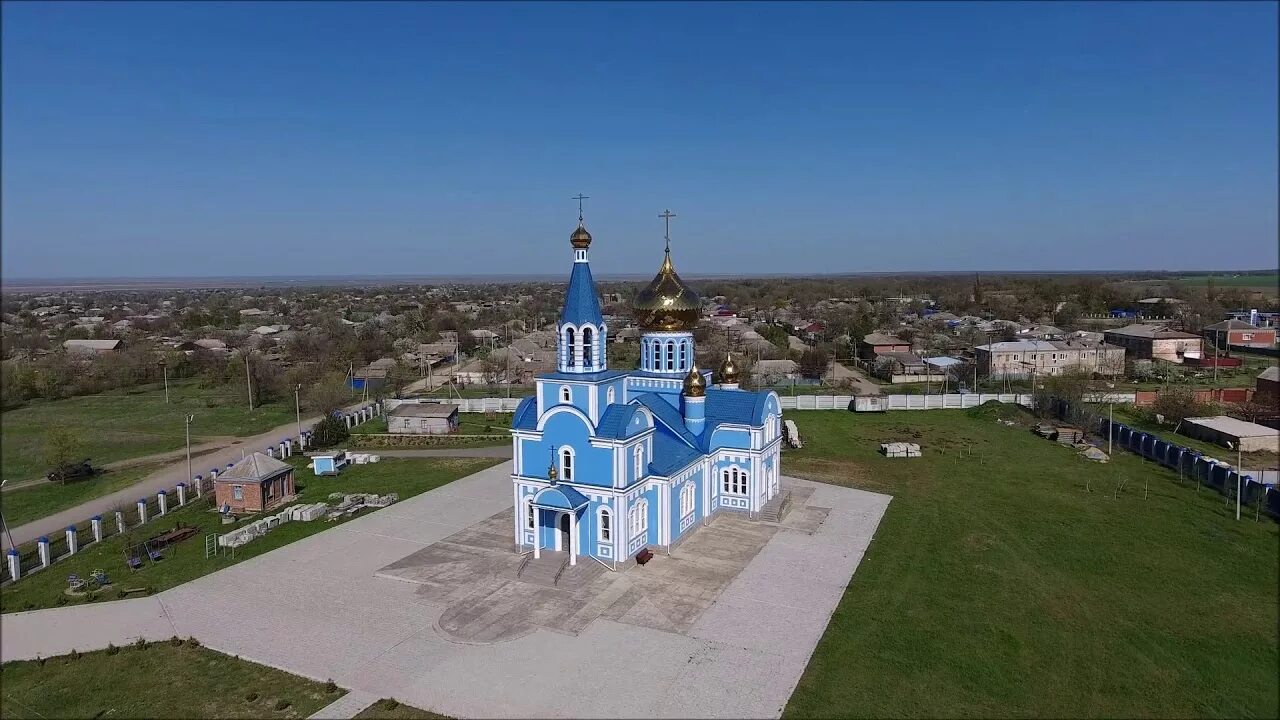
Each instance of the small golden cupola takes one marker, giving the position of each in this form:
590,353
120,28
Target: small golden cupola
728,372
694,384
580,239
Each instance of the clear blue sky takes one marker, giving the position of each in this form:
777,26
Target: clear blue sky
210,139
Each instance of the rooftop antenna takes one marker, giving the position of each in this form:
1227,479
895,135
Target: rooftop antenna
580,197
666,216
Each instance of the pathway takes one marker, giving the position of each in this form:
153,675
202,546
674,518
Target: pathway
861,384
346,707
496,451
162,479
317,608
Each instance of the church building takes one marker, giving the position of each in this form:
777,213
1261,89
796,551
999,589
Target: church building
608,462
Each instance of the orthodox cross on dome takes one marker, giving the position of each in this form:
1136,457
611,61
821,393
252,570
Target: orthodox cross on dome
580,197
666,216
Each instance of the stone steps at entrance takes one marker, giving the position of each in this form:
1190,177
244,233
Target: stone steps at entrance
776,509
544,570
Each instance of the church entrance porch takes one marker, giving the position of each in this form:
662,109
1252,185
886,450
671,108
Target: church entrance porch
563,541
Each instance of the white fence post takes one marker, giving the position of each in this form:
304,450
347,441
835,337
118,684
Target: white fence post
182,494
96,523
15,564
73,540
42,546
163,498
142,511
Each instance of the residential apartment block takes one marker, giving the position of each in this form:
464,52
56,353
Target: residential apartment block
1154,342
1023,358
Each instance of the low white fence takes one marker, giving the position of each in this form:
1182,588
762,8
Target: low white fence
857,403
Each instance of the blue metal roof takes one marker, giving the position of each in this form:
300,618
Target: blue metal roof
560,497
615,420
581,305
668,417
584,377
670,454
739,407
526,416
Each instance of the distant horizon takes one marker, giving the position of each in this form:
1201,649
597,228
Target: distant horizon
215,282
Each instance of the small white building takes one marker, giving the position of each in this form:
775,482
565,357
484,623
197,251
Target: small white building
1230,432
423,419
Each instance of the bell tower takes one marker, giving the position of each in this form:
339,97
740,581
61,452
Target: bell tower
581,332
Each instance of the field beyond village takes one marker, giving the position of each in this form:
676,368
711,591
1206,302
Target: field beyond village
1015,582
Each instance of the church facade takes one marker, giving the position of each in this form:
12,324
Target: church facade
608,462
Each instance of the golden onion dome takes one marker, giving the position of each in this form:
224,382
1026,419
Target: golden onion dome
694,384
728,370
580,239
667,303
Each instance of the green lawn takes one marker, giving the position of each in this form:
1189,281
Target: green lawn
160,680
389,709
998,586
128,423
22,505
1268,280
186,561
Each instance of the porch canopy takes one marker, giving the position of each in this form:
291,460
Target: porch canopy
560,497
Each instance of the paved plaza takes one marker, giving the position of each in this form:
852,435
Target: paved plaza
422,601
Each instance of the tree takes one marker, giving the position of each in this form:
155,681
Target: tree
61,448
813,363
328,395
399,376
331,430
1174,404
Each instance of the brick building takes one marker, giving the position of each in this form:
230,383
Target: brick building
255,484
1238,332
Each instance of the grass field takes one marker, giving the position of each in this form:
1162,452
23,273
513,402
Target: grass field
1268,280
997,585
160,680
22,505
186,561
122,424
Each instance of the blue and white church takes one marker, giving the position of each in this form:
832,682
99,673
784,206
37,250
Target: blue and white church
608,462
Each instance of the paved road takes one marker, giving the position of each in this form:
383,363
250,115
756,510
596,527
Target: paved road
162,479
316,608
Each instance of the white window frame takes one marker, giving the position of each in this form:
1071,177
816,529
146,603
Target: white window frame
237,492
639,461
686,499
566,394
604,525
609,396
586,337
566,464
640,517
569,340
733,481
529,514
671,355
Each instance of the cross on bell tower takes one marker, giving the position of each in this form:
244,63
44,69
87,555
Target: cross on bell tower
580,197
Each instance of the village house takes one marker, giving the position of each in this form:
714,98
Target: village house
255,484
879,343
90,346
422,419
1238,332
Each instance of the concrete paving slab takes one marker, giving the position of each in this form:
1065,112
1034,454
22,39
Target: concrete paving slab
718,629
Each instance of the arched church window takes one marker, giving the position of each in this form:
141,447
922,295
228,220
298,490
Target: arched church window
671,355
586,347
644,354
608,396
724,481
639,461
529,514
684,352
566,465
569,336
566,395
686,499
605,525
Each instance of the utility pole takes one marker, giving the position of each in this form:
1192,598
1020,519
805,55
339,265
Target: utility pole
248,380
1238,480
1111,433
3,522
297,406
189,419
164,367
